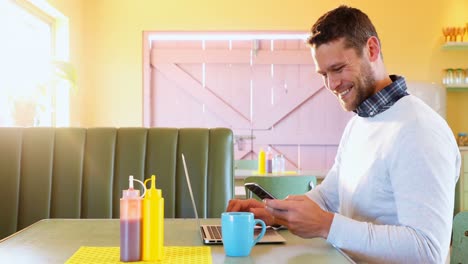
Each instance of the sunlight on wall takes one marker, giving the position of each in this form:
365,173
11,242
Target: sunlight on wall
108,46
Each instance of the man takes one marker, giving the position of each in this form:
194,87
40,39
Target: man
389,196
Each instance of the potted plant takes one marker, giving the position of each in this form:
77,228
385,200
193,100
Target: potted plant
30,109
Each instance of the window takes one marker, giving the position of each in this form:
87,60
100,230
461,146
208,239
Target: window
28,87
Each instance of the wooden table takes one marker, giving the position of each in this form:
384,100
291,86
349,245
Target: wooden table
56,240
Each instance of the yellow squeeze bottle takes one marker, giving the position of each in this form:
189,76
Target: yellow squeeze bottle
261,161
153,223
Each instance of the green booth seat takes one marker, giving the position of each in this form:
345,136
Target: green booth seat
80,172
282,186
460,239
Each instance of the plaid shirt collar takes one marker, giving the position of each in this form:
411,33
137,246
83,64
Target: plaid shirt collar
384,99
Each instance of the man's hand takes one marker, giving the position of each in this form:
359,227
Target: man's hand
253,206
302,216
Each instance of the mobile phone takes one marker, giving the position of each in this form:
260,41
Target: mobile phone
259,190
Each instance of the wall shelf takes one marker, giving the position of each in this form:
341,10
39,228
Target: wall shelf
452,45
457,88
455,45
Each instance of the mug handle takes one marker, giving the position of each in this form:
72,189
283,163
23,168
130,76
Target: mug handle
262,233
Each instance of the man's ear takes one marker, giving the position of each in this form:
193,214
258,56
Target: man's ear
373,48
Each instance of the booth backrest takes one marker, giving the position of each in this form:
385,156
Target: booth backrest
81,172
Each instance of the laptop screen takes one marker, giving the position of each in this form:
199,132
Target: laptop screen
271,236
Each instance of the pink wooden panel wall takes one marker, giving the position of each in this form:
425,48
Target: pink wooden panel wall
271,92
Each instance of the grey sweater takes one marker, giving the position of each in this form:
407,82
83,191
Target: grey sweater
392,186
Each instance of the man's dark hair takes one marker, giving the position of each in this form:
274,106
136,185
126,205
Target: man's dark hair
343,22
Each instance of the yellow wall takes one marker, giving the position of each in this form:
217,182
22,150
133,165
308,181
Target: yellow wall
109,32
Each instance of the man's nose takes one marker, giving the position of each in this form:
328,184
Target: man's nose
332,82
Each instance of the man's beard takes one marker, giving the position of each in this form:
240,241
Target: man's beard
364,87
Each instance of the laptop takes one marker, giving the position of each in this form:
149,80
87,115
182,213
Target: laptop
211,234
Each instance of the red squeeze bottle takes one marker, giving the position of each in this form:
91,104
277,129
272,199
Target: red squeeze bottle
130,224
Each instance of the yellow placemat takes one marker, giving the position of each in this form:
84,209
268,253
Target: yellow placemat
107,255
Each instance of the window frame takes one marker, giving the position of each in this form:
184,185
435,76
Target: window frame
60,50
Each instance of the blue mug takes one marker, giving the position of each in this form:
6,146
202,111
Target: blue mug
238,233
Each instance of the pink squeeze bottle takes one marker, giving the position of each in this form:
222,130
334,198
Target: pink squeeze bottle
130,224
269,160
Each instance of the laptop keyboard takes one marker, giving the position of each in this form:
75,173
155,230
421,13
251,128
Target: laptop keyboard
215,231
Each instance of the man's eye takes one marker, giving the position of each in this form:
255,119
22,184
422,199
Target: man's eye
340,69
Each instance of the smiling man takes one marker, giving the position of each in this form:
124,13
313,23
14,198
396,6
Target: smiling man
389,196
